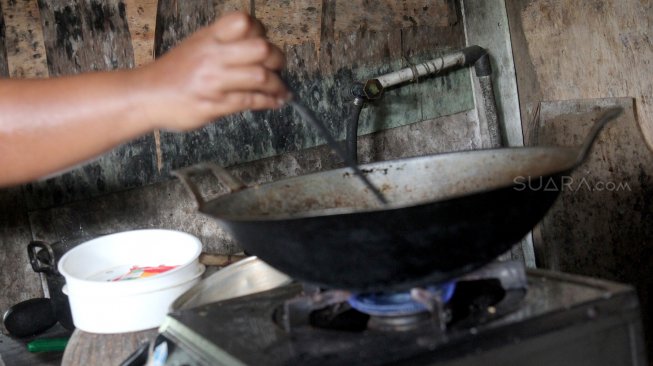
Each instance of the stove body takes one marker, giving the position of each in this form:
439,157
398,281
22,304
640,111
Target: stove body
561,320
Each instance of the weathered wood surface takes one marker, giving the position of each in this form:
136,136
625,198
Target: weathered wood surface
141,17
589,49
290,22
24,39
319,77
13,351
17,279
84,36
175,20
103,349
601,225
4,67
370,15
583,49
222,7
325,53
87,35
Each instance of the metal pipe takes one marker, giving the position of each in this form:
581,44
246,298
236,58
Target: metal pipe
352,129
466,57
472,55
426,68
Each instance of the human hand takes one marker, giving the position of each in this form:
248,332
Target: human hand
226,67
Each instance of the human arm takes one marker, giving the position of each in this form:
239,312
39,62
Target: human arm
50,124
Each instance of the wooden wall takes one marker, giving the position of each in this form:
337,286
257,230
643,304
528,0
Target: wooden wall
583,49
566,50
329,43
327,49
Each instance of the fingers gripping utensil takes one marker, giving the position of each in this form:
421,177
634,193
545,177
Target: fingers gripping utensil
308,115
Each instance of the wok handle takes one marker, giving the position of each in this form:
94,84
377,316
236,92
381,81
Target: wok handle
49,265
232,183
607,116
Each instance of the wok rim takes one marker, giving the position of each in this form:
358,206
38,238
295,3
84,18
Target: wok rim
342,211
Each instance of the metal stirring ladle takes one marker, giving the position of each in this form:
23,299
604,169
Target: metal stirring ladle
308,115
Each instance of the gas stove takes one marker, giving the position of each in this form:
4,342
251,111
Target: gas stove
499,314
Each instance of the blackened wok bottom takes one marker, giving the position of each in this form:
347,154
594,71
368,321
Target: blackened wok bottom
449,214
424,244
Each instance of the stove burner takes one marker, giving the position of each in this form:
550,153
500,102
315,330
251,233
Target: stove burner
550,325
473,299
398,303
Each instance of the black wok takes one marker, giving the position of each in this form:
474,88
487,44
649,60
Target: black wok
448,214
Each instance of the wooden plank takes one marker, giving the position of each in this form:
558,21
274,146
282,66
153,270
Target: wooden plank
4,67
221,7
583,49
601,224
84,36
17,280
165,205
326,57
175,20
318,75
290,22
13,351
250,136
373,16
24,38
592,230
141,17
87,35
103,349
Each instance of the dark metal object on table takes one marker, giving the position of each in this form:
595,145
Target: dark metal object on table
450,213
44,258
29,317
138,357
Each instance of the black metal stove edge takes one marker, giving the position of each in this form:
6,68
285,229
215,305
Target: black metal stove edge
618,299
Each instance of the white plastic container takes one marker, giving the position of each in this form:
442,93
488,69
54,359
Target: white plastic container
99,305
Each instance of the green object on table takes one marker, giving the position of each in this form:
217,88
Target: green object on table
47,345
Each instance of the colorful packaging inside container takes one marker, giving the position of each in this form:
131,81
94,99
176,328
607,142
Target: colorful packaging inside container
137,272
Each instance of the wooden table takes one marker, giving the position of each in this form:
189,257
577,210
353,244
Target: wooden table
13,351
103,349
